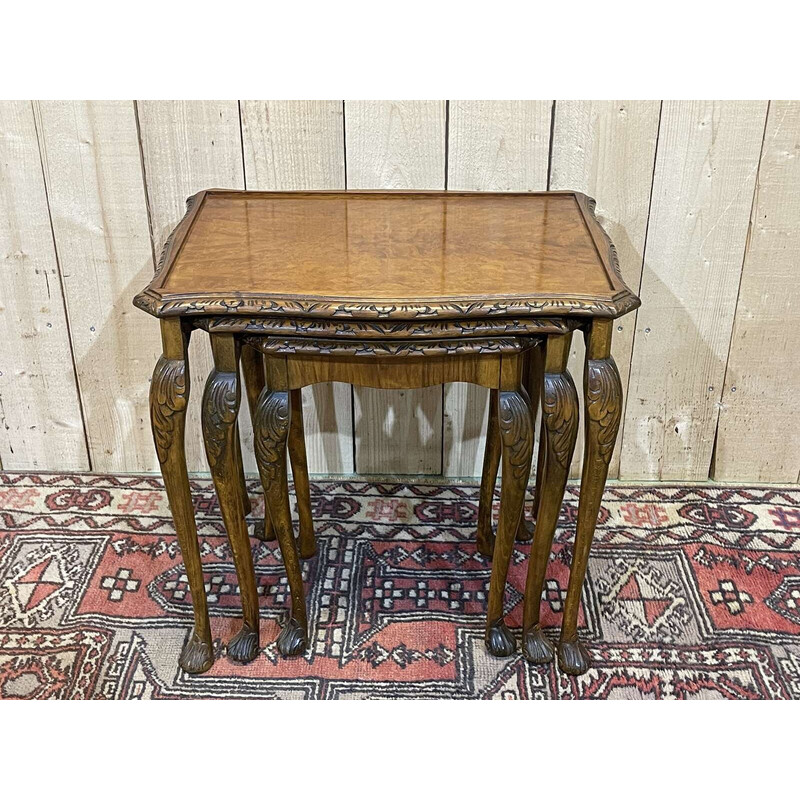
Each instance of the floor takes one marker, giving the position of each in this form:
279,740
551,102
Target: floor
692,592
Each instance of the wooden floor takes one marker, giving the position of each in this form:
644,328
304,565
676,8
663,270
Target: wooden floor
701,198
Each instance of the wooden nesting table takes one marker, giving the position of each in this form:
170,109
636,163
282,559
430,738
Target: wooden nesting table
397,291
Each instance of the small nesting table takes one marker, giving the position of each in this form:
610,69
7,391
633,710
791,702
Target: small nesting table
392,290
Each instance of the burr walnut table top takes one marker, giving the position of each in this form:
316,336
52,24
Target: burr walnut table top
403,255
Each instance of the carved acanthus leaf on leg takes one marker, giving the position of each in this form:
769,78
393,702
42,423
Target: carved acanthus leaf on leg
603,403
560,415
270,445
221,404
168,396
516,433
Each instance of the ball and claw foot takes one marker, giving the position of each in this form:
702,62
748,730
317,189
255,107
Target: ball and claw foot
197,655
260,531
525,530
292,640
244,646
573,658
499,640
536,647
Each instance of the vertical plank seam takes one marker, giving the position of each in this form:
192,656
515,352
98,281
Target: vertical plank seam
446,142
144,183
550,144
712,467
446,183
639,287
42,158
241,143
352,390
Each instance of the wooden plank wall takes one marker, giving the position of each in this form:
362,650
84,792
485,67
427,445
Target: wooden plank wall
702,199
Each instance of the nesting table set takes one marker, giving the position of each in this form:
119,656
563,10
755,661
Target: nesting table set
392,290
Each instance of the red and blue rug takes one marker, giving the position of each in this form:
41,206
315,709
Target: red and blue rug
692,592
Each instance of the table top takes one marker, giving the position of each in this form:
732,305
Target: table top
404,255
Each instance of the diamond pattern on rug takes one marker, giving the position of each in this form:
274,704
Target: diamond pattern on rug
692,592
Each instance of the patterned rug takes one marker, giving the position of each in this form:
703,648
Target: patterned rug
692,592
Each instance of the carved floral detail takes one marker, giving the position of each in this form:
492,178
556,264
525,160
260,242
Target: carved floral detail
560,412
169,393
384,329
220,407
271,429
383,348
516,430
620,304
603,403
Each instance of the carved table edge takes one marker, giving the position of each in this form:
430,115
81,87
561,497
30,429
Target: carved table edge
382,348
385,329
335,308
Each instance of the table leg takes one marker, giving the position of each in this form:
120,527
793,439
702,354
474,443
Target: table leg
534,365
169,395
516,437
220,409
491,462
302,489
559,429
271,426
242,481
603,402
254,379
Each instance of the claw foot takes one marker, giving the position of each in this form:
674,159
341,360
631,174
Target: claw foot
499,639
244,646
263,532
573,658
258,530
536,647
197,655
525,530
292,640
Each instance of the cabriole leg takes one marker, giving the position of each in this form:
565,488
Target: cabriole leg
491,463
603,402
302,489
254,379
220,409
271,426
169,395
559,429
516,437
534,364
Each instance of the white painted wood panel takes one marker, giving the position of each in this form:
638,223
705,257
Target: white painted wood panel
396,145
93,173
40,415
758,438
492,146
705,173
291,145
188,146
606,149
